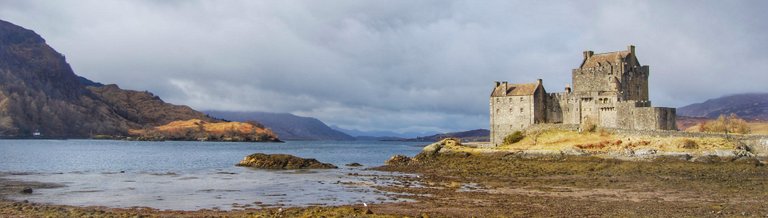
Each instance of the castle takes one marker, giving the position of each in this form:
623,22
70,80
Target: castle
609,90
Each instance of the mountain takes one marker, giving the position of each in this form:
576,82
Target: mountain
39,92
381,134
287,126
476,135
749,106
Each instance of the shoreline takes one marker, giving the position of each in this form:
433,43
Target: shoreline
452,182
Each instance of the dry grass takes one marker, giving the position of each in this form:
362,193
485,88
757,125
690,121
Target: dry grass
605,141
558,139
760,128
756,127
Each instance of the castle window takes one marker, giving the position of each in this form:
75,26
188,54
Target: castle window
510,100
521,110
497,100
521,99
510,110
497,111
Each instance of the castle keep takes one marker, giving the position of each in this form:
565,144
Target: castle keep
609,90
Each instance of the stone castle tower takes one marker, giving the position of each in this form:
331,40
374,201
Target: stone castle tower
609,90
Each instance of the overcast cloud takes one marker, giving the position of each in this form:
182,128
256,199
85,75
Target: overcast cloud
395,65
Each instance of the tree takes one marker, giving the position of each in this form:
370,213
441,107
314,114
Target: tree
726,124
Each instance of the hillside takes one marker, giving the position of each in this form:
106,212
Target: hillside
749,106
285,125
39,92
144,107
476,135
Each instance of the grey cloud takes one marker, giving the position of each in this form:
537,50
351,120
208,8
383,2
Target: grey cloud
394,65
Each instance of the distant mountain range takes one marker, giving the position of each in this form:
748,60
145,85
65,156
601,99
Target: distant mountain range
287,126
478,135
750,106
41,95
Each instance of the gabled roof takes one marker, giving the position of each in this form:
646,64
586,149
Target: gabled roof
515,89
605,58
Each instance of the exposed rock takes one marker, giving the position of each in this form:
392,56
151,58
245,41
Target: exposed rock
354,164
282,162
398,160
645,152
574,152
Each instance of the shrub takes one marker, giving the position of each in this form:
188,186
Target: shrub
689,144
513,138
588,125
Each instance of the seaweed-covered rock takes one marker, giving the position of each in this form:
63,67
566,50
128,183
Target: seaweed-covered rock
282,162
26,190
398,160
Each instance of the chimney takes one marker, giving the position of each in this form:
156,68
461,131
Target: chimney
506,88
538,81
497,83
631,49
588,54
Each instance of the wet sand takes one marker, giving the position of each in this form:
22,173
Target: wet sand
461,185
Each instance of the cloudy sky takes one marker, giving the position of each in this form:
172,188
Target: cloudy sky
395,65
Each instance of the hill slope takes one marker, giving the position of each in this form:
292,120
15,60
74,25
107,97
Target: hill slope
750,106
287,126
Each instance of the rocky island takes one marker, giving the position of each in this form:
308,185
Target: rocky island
282,162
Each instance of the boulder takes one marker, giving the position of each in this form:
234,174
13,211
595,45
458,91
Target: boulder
398,160
282,162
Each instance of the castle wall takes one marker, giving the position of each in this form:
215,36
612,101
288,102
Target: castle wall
635,84
554,108
640,116
509,114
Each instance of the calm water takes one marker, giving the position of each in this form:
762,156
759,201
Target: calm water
195,175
